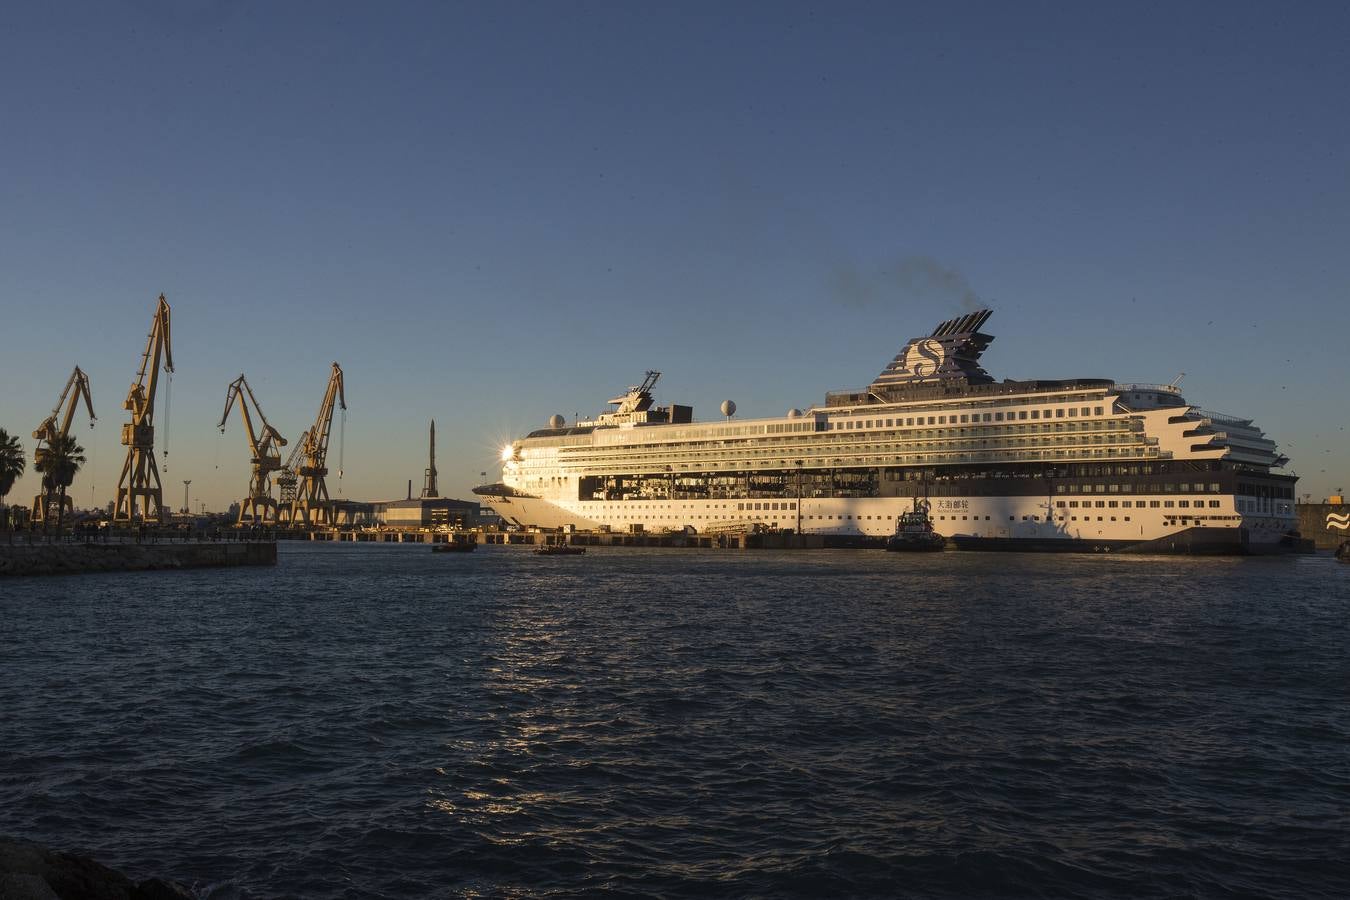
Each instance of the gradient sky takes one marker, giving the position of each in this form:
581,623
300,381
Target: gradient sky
492,213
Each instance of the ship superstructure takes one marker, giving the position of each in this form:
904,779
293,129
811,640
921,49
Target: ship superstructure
1076,464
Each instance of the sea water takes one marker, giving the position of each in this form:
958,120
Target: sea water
383,721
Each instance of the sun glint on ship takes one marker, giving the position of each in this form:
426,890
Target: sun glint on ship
1083,464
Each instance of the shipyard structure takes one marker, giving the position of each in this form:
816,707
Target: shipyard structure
1082,464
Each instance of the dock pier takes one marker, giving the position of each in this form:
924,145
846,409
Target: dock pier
726,541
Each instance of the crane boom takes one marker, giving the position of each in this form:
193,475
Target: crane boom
312,504
50,432
139,480
264,453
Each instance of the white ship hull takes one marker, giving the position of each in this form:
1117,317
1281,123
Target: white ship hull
984,519
1045,465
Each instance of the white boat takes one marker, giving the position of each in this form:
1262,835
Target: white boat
1081,464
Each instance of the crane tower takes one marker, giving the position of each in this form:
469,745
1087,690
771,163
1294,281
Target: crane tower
140,476
264,454
312,505
49,433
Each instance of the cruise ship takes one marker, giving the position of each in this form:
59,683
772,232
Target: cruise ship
1077,465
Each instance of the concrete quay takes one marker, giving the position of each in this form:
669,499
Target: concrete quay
1328,524
75,558
732,541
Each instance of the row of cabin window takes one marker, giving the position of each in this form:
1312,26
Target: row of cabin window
1139,504
965,418
1183,488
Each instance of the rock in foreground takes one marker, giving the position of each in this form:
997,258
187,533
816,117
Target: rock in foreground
30,871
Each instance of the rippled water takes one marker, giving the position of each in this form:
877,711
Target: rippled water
379,720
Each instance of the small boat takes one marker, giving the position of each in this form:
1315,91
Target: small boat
914,531
455,547
558,550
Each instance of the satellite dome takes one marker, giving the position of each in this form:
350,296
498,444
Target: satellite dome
728,408
556,421
794,413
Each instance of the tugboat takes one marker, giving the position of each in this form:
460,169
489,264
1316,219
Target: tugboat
914,531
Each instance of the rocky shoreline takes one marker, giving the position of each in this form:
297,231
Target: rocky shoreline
30,871
74,558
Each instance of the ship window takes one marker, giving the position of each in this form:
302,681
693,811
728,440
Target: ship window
1035,413
1101,503
1059,413
1168,503
1012,518
1113,504
1073,413
1073,503
1085,411
1127,518
1214,487
1183,503
931,420
1113,518
998,417
1214,504
1153,504
987,417
1096,410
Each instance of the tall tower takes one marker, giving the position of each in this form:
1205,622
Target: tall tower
429,484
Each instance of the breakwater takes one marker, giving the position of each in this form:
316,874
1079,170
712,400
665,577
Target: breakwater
74,558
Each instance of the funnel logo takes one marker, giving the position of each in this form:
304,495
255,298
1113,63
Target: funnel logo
1340,521
924,358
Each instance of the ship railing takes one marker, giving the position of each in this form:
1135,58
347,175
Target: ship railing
1165,388
1223,417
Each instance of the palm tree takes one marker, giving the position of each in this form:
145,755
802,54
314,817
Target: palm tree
12,464
58,462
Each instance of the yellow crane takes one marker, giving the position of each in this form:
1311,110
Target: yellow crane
286,479
140,477
265,454
50,432
312,505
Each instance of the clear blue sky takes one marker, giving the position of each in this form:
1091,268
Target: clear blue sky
491,213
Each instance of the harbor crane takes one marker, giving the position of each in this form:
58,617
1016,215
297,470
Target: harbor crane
312,505
50,433
264,454
286,479
140,476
